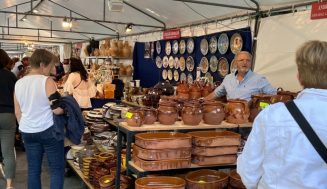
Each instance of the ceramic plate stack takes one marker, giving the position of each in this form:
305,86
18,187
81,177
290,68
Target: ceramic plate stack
162,151
94,121
214,147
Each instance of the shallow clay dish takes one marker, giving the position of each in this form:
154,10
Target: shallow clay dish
215,138
162,164
206,179
162,154
160,182
163,140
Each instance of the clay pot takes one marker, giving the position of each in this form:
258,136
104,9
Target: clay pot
283,96
134,117
257,103
166,88
129,70
160,182
195,91
238,111
206,179
106,44
114,51
96,52
120,47
106,181
213,112
206,90
235,181
150,115
182,90
126,52
191,113
122,70
167,113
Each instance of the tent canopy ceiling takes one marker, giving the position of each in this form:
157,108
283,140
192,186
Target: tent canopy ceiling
94,19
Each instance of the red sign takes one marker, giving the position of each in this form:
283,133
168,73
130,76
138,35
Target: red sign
172,34
319,10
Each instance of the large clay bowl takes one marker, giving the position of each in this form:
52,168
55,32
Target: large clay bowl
160,182
206,179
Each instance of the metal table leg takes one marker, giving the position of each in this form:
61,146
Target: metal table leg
118,166
129,139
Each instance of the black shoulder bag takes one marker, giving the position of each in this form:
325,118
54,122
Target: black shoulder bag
307,129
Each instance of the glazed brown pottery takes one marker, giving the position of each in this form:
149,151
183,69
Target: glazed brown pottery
152,98
167,113
257,103
206,90
215,138
192,113
106,181
158,165
161,154
195,91
163,140
214,160
126,52
238,111
213,112
160,182
166,88
283,96
206,179
235,180
129,70
114,51
214,151
150,115
182,90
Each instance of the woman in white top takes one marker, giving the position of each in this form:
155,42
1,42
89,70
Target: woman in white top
79,85
36,100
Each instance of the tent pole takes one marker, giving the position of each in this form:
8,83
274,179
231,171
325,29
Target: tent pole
217,4
256,31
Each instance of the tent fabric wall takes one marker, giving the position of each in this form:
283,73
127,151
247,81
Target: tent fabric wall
278,39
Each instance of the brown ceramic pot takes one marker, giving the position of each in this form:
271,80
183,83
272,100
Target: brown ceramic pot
129,70
182,90
235,180
191,114
160,182
206,179
114,51
167,113
134,117
195,91
257,103
106,181
238,111
213,112
206,90
126,52
283,96
150,115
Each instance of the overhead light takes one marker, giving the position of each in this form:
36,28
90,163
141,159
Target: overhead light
116,5
35,11
24,19
129,27
66,23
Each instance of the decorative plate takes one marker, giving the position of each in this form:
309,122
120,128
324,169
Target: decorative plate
190,45
189,79
182,46
176,75
165,62
182,63
223,43
204,47
158,47
170,75
213,63
158,62
171,62
233,66
175,47
176,63
223,67
204,65
209,77
164,74
168,48
183,77
190,63
236,43
213,45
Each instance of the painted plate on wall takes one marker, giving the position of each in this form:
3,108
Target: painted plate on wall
183,77
165,62
236,43
190,45
223,43
209,77
182,63
223,67
158,62
164,74
168,48
204,65
233,66
176,63
213,63
190,63
182,46
170,75
158,47
175,47
189,79
213,45
176,75
204,46
171,62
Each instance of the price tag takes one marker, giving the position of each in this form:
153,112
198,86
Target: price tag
263,104
129,115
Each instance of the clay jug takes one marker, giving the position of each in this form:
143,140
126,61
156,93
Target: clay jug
206,90
114,48
107,43
129,70
192,113
195,91
134,117
238,111
182,90
283,96
167,113
213,112
257,103
150,115
126,50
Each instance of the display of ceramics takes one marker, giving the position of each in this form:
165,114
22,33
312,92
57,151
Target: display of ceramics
175,47
190,63
223,43
164,74
189,79
158,47
213,63
168,48
236,43
182,63
204,47
176,63
171,62
204,65
158,62
176,75
183,77
233,66
190,45
223,67
213,45
182,46
165,62
170,75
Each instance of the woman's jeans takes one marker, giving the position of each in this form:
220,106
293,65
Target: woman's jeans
35,145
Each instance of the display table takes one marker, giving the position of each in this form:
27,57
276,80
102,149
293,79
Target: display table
79,173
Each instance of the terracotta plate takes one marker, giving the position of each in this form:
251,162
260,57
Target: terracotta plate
190,45
176,63
182,63
190,63
189,79
175,47
213,45
164,74
236,43
171,62
233,66
176,75
168,48
170,75
165,62
158,47
223,67
182,46
204,65
204,47
183,77
213,63
158,62
223,43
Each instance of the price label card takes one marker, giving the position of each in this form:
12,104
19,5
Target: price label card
263,104
129,115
